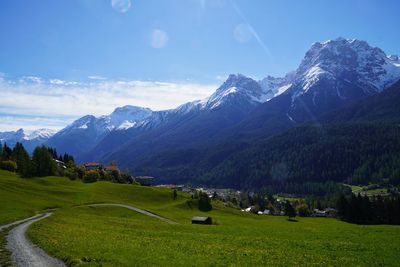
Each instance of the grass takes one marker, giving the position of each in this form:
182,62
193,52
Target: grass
366,190
5,255
113,236
21,198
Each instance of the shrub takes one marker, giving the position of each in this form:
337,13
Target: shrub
71,174
204,202
8,165
91,177
303,210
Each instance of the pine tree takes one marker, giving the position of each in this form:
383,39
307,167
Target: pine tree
6,154
21,157
290,210
43,162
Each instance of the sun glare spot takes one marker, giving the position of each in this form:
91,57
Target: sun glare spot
159,38
243,33
121,6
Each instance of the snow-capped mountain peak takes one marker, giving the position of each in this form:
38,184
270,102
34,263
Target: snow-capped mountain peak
42,134
121,118
237,88
30,139
344,69
350,59
128,115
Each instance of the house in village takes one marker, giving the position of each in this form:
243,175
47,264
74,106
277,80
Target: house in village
60,164
111,168
92,166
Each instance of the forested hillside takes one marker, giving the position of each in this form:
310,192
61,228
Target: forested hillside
353,153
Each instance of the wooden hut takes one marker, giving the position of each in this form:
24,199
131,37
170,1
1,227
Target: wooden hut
201,220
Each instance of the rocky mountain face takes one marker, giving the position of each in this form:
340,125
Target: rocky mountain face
339,71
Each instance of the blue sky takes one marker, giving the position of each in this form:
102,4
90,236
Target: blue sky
190,45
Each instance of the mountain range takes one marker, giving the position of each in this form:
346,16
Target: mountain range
29,139
338,81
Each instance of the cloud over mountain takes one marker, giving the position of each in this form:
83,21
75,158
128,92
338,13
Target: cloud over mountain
32,99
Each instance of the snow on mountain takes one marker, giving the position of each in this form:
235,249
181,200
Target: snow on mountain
236,90
121,118
346,60
276,86
22,135
40,134
30,139
127,116
12,136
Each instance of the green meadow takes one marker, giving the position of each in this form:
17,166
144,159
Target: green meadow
114,236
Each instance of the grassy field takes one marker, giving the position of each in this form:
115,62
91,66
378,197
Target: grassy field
113,236
366,190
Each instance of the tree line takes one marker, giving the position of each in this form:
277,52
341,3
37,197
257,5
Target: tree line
45,161
351,153
365,210
41,163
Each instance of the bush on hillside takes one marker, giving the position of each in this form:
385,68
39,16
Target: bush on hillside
303,210
8,165
91,177
204,202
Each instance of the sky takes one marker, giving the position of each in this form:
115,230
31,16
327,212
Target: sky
63,59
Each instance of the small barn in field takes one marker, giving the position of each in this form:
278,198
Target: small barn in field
201,220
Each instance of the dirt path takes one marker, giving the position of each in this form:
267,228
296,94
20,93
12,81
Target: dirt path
23,252
134,209
5,226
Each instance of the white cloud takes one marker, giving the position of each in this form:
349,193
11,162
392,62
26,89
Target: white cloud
56,81
121,6
221,78
30,79
57,99
159,38
97,77
14,122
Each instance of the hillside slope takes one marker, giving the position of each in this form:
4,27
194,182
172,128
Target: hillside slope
114,236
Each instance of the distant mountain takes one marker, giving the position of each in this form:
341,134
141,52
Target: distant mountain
348,71
83,134
332,74
29,139
188,125
337,72
196,137
358,143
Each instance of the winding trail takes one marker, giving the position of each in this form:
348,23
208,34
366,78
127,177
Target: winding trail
145,212
24,253
19,222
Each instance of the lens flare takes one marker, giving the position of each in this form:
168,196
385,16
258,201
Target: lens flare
159,38
121,6
243,33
